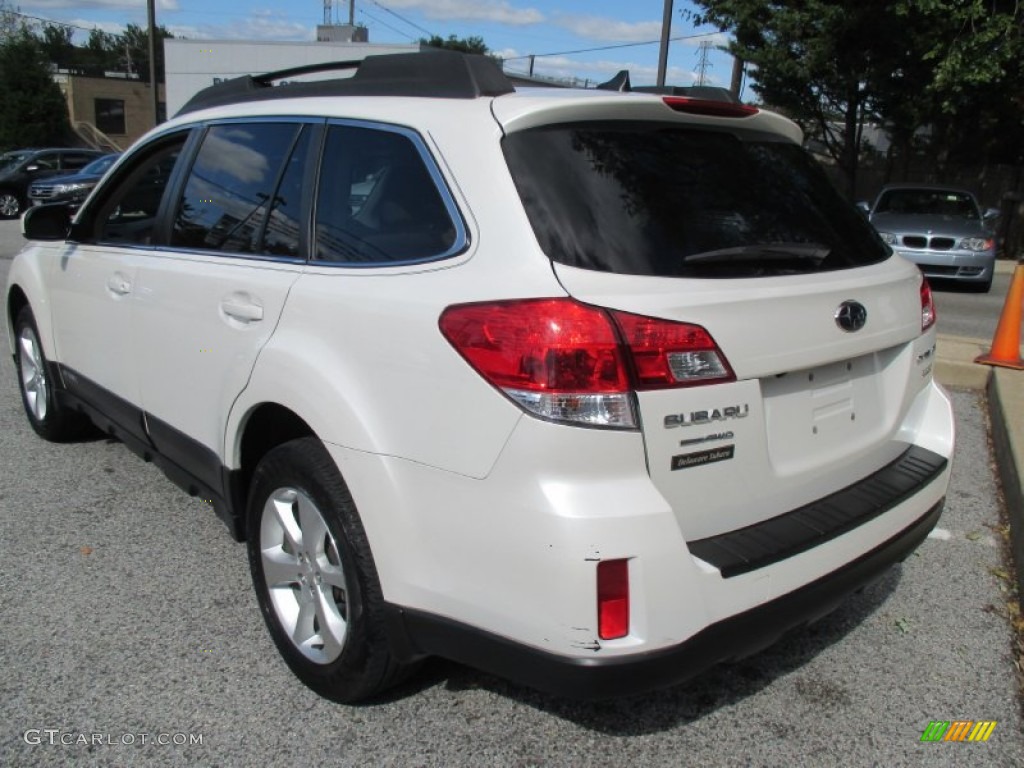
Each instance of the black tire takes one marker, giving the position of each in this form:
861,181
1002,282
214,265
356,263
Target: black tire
50,420
299,479
10,204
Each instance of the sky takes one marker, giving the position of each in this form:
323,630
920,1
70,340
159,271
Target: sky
559,33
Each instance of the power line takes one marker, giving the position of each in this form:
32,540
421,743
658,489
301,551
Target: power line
402,18
612,47
385,24
53,23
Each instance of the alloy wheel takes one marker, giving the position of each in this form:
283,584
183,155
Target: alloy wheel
34,382
304,575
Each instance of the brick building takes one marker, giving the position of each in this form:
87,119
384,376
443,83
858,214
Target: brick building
108,112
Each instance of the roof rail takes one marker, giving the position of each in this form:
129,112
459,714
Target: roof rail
436,74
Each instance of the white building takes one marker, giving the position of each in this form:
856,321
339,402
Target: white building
191,65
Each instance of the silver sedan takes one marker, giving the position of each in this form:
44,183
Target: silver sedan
941,229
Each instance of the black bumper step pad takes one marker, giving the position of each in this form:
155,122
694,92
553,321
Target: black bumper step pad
756,546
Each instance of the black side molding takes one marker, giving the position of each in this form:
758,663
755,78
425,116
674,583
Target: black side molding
756,546
414,634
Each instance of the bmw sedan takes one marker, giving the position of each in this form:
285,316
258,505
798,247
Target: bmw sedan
941,229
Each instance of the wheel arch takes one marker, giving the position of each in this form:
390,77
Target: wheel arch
26,286
17,300
264,427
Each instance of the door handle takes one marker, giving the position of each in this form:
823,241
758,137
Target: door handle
244,311
118,284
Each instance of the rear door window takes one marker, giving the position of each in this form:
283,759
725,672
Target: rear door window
233,186
671,201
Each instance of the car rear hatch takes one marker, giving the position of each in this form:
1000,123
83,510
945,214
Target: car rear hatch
734,229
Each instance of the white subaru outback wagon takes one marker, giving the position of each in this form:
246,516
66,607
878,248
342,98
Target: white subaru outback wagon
586,389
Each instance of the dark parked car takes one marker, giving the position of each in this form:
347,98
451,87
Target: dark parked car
941,229
72,188
18,169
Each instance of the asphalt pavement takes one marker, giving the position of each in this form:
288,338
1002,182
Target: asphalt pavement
127,622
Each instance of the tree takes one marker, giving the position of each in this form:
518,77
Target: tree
32,109
951,66
817,60
464,44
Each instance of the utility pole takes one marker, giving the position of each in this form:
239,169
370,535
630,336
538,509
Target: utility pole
737,76
154,86
703,65
666,31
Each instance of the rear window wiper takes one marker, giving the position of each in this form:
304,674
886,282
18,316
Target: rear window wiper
814,252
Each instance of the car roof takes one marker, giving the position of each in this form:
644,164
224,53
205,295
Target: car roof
457,77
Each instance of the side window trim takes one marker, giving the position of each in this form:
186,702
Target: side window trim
165,213
430,163
315,132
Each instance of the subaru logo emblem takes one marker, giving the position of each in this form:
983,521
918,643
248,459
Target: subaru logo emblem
851,316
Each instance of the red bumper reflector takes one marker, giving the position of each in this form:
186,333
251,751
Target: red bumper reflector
612,599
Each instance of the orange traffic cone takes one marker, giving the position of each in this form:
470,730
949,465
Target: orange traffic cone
1005,350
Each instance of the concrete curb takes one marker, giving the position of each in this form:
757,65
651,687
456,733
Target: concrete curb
955,367
1006,410
954,362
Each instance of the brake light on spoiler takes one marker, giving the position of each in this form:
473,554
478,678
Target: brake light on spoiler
574,363
709,107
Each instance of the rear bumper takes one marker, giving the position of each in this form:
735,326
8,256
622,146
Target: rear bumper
415,633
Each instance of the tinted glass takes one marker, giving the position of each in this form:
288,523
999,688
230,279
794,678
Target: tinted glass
128,213
231,185
281,237
49,161
377,202
928,202
646,199
97,167
75,161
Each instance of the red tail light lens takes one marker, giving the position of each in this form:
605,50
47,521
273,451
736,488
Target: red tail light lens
709,107
570,362
667,354
928,316
612,599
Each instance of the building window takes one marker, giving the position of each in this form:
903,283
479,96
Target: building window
110,115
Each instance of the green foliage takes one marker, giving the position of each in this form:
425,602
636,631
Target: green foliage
33,112
948,66
453,43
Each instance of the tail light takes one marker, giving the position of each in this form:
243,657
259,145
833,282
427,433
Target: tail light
928,316
573,363
709,107
612,599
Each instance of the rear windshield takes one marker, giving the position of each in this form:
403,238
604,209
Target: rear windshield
651,199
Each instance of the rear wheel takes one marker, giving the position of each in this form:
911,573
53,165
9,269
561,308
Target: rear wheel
314,574
48,417
10,205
